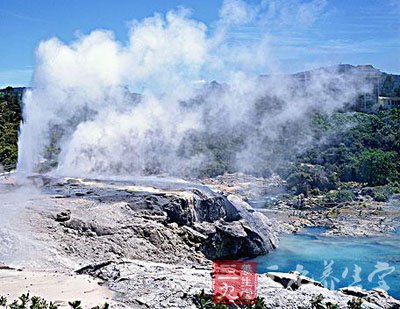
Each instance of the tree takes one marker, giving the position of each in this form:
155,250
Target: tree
376,167
387,87
10,118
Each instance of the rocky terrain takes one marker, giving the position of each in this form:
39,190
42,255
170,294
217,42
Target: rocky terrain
176,285
148,242
247,186
163,221
352,219
362,215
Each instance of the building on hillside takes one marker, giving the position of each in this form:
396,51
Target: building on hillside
389,102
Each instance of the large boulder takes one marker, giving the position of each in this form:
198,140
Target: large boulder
292,280
162,223
186,208
378,297
242,233
232,229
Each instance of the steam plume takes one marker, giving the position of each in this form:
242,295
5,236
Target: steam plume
81,114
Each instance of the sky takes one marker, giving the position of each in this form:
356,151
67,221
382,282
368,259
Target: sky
303,34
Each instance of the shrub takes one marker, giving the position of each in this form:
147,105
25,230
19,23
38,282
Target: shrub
204,301
345,196
382,194
330,305
35,302
339,196
379,193
376,167
305,177
355,303
315,192
316,302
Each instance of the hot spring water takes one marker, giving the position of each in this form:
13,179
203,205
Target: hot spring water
339,261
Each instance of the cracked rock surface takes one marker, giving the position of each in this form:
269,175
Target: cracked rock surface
111,220
149,243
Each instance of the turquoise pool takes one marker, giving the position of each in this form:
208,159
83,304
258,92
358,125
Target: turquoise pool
339,261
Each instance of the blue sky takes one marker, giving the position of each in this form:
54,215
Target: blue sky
338,31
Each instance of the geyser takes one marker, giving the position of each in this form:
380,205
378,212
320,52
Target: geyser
82,118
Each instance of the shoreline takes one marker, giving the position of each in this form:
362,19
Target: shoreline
361,216
111,233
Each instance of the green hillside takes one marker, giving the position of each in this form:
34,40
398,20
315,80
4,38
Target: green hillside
344,146
10,118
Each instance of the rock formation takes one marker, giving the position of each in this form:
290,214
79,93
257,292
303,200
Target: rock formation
119,220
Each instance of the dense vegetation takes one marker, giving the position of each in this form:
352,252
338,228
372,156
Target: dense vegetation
320,153
344,146
26,301
357,147
10,118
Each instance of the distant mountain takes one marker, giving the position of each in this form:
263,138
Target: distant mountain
364,69
384,84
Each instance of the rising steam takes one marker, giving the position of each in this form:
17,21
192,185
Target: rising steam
82,117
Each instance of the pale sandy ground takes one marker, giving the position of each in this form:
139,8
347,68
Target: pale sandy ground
56,287
44,273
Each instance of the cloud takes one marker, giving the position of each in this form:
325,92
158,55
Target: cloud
80,105
237,12
292,13
309,12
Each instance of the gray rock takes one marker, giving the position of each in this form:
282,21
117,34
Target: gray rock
176,285
292,280
206,222
150,258
375,296
63,216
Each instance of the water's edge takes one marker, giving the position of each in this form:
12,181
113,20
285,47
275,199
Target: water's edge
337,262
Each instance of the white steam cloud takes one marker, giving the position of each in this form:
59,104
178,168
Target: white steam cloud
82,117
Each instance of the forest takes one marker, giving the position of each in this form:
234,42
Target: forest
346,146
